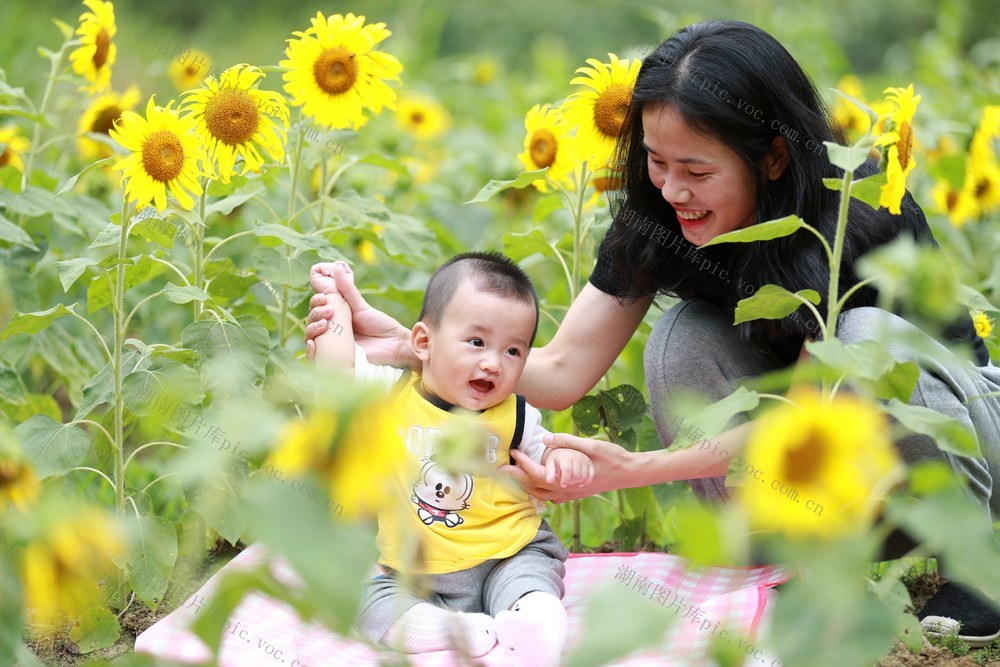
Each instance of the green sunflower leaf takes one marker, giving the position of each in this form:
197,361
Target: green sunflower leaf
772,302
764,231
494,187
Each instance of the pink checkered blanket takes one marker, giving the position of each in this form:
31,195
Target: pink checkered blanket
709,602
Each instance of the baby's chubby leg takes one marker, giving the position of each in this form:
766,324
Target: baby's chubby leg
524,592
533,631
391,615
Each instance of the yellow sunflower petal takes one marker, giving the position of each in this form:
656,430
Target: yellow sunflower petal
164,156
549,144
97,53
818,468
233,118
598,112
334,73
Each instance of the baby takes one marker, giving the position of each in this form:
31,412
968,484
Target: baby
495,568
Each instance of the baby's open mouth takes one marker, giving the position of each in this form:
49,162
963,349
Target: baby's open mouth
483,386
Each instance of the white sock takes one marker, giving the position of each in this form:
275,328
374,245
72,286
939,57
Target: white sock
533,631
424,628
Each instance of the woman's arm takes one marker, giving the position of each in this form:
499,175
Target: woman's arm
590,338
618,468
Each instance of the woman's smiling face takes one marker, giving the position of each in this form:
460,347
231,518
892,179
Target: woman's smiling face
704,180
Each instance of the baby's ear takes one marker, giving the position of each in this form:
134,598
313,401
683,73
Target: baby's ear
420,340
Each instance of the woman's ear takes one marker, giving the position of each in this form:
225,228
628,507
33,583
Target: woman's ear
420,340
774,163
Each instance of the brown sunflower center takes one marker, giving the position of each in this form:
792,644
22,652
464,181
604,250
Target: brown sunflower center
6,156
417,117
102,44
905,144
191,70
951,200
231,116
983,188
336,70
544,147
105,119
803,463
163,156
9,470
610,109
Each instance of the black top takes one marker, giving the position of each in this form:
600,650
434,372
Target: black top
910,221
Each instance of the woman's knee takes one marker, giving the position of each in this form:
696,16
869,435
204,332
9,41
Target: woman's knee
687,336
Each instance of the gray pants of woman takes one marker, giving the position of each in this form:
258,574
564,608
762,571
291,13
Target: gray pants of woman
695,347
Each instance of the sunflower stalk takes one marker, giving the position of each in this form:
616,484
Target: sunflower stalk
574,287
833,293
199,256
119,340
283,316
46,96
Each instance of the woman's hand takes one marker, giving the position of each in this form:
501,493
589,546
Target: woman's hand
612,469
384,340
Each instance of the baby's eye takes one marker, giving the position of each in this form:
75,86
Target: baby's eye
514,352
477,342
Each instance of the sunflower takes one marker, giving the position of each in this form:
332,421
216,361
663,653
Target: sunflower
367,458
100,118
96,55
165,155
235,119
305,445
898,137
984,324
187,74
548,144
823,466
982,171
422,116
60,570
18,482
335,71
955,203
846,115
366,249
13,146
599,112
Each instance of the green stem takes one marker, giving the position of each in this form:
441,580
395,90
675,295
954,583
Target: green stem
96,332
833,302
322,191
224,241
282,324
95,470
199,260
577,543
119,340
152,444
577,222
37,134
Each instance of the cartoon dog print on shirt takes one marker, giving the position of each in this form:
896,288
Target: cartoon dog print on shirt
440,495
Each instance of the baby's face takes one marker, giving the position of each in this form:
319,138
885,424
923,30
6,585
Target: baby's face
477,352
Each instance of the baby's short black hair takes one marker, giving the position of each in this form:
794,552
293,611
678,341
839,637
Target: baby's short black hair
491,272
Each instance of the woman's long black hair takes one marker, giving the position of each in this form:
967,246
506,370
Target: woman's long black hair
733,81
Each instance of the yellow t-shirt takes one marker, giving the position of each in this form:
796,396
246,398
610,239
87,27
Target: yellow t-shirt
455,520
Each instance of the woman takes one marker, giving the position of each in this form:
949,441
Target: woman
725,130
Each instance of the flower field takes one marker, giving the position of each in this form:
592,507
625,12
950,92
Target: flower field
169,176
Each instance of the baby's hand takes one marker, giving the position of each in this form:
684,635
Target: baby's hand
321,278
570,466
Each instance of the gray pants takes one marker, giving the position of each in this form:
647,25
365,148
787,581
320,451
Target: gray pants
695,347
490,587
